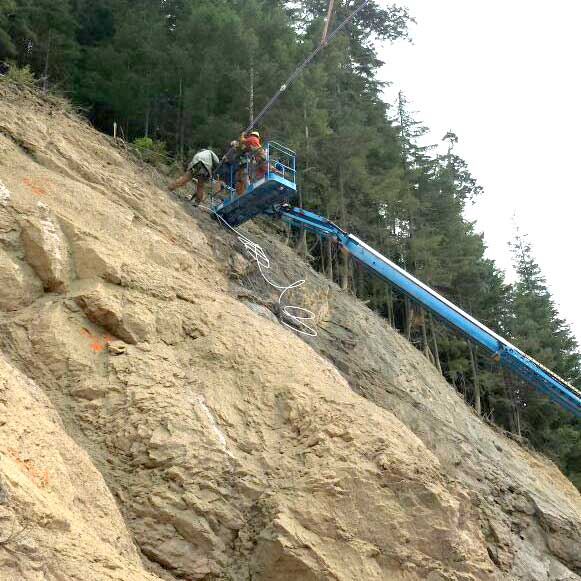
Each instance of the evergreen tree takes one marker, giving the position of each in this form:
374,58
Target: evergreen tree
44,34
192,74
537,328
7,12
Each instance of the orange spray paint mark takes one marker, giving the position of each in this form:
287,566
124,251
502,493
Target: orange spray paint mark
38,476
97,343
36,187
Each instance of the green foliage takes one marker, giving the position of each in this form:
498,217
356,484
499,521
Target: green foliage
7,47
144,143
536,327
42,36
150,150
175,76
20,76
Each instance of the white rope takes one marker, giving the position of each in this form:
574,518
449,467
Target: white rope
299,316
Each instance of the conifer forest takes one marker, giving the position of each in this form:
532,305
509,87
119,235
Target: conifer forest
178,75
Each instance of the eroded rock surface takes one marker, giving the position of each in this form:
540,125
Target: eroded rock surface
58,519
234,449
45,249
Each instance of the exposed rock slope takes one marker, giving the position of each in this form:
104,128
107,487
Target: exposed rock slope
234,449
58,520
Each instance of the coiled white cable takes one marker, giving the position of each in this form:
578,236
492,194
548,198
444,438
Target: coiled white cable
299,316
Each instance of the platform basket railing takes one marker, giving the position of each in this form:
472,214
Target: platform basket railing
280,162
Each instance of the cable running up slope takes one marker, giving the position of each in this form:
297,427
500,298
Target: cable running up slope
298,316
297,72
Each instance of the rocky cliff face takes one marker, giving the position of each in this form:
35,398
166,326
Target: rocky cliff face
157,422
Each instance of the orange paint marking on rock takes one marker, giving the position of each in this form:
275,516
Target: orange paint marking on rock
35,187
39,478
96,343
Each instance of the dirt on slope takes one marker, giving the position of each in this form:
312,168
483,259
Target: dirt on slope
150,399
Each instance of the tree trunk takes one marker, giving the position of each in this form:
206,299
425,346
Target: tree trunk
353,275
344,260
301,246
360,285
251,105
344,269
179,117
390,314
182,146
426,349
508,392
327,22
435,343
517,421
449,368
47,62
181,124
329,246
147,118
513,416
477,402
409,314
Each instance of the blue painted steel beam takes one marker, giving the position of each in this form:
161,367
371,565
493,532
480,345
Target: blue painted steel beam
502,351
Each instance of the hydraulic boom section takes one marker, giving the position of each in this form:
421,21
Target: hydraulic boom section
501,350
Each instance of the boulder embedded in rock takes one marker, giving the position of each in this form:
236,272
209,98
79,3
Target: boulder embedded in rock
46,249
19,286
111,310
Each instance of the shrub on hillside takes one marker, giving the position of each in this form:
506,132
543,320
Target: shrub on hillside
151,151
19,75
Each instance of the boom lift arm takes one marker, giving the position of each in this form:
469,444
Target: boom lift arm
270,195
501,350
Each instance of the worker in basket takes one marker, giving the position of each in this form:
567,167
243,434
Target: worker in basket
200,170
252,160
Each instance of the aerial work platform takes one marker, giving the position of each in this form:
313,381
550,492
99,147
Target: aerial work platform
261,196
270,196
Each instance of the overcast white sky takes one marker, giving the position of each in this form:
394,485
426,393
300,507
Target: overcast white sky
504,75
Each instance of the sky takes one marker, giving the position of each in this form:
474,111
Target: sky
504,76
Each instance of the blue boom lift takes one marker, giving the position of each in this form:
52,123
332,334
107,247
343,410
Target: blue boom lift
271,195
261,196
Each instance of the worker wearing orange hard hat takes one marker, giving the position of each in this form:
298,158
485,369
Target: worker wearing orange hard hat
252,160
